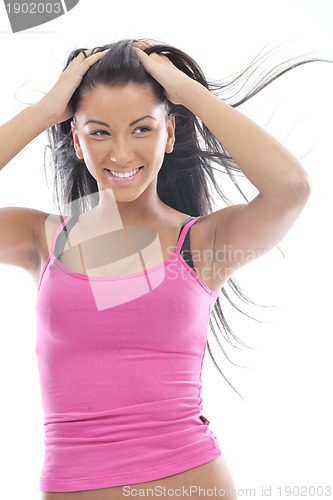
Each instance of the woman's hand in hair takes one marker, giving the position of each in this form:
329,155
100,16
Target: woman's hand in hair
175,82
57,99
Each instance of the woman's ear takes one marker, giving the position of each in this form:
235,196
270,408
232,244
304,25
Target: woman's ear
171,137
76,141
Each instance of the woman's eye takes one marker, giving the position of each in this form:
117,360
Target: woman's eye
99,133
142,130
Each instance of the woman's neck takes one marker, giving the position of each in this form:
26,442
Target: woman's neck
146,209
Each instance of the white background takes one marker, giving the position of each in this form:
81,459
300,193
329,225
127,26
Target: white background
280,435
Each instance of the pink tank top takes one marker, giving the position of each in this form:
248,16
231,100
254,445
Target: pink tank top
120,362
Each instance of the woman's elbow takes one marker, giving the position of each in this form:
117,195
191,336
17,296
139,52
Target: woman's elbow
301,187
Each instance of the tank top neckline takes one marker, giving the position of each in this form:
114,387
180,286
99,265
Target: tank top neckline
174,256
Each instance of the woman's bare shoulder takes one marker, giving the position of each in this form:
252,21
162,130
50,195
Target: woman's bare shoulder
45,226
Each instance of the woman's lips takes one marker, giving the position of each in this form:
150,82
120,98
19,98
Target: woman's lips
124,180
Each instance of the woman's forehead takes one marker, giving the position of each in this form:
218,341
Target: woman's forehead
121,101
127,91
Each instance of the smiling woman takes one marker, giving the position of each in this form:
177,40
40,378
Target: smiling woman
130,271
136,133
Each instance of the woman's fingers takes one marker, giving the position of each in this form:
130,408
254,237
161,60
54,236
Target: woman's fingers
86,59
164,72
58,98
145,58
140,45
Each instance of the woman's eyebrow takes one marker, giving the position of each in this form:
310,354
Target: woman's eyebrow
130,124
142,118
96,121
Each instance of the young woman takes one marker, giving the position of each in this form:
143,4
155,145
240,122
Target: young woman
125,288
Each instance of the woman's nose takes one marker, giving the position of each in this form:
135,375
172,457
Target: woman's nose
121,153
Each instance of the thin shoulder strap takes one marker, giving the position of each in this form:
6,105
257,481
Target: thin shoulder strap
62,234
184,233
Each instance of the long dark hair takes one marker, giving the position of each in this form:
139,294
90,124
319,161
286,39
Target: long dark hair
197,157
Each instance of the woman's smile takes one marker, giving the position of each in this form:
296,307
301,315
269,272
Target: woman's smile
124,177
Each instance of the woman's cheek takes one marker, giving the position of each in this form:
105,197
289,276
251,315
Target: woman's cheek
96,153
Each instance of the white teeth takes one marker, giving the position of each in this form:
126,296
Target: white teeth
126,175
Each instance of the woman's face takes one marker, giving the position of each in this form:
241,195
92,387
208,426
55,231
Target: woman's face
120,130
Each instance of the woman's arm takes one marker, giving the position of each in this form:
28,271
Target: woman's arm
52,109
19,226
271,168
20,130
242,232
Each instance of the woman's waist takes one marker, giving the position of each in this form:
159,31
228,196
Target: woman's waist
115,424
131,451
193,483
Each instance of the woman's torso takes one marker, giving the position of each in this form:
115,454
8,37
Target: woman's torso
214,472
